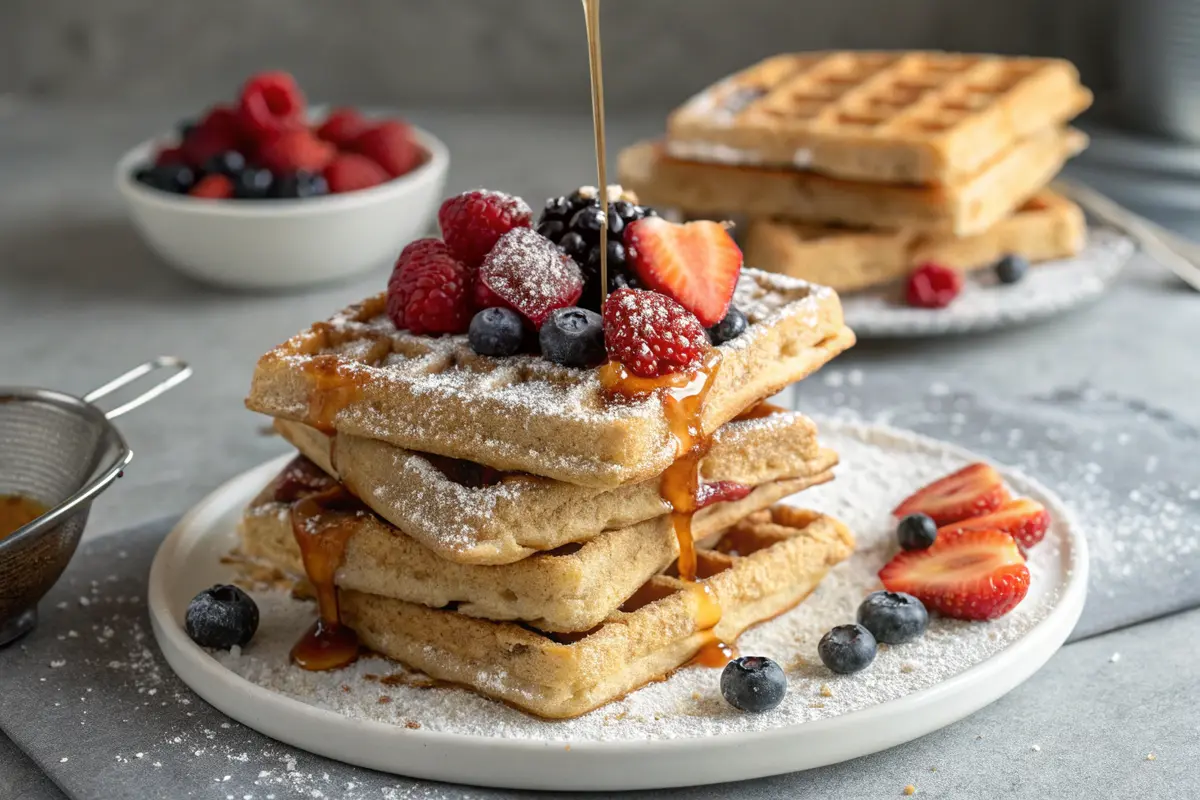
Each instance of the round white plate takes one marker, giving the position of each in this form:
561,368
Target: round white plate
984,305
467,739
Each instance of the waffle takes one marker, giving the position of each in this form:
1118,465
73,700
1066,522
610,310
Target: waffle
758,569
357,374
463,514
961,209
923,117
1047,227
571,588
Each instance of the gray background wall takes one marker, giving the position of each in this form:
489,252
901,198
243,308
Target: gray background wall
514,52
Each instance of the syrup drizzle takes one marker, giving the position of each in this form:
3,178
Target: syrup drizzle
332,387
591,12
320,524
683,397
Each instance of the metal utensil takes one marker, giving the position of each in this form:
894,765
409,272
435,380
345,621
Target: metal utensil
62,451
1172,251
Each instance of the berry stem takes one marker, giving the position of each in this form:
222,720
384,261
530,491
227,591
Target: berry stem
591,12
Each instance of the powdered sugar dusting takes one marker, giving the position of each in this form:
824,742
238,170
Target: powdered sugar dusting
527,270
877,469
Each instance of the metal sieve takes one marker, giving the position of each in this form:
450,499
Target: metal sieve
61,451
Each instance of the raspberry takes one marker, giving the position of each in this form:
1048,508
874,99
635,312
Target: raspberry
223,120
204,143
213,187
474,221
295,151
482,297
169,155
933,286
651,334
427,292
271,103
389,144
529,273
342,126
349,172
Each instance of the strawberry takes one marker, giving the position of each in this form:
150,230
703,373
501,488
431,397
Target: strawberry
292,151
213,187
696,264
349,172
1024,519
342,126
973,490
975,575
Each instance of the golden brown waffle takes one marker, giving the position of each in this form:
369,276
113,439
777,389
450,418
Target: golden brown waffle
464,515
1047,227
759,569
960,209
571,588
357,374
918,117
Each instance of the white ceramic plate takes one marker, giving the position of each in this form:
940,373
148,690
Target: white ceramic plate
1049,289
505,748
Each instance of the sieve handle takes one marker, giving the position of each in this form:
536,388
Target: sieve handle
181,373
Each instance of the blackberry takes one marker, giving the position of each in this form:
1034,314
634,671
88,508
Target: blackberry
552,229
558,209
574,245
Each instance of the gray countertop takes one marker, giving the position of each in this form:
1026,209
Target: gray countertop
83,300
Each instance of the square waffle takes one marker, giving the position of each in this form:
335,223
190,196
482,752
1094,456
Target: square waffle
571,588
1046,227
960,209
917,117
470,514
758,569
357,374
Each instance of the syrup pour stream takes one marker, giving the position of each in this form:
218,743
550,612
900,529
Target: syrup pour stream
591,11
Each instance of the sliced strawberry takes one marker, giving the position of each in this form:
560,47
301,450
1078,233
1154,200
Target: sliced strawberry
972,574
696,264
1026,520
971,491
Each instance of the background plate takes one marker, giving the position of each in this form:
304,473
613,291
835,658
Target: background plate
508,749
1049,289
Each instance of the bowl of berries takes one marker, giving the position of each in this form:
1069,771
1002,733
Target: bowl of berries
266,193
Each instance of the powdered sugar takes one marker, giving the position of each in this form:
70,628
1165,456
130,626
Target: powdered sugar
1048,289
529,272
877,469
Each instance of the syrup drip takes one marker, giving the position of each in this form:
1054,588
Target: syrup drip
760,410
683,398
715,653
591,12
332,387
320,525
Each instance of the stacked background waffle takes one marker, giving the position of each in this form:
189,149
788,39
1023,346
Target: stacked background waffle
881,159
503,521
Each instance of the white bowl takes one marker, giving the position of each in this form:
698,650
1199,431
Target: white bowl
282,244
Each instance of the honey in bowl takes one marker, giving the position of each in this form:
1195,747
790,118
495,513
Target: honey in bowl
16,511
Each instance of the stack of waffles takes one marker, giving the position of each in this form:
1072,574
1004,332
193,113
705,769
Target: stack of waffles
853,167
500,523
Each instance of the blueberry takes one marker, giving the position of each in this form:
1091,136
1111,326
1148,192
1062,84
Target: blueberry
229,164
298,184
496,332
552,229
916,532
1011,268
847,648
573,337
574,245
558,209
753,683
731,327
173,178
252,184
893,617
222,617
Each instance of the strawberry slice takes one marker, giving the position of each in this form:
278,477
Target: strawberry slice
973,490
1024,519
974,575
696,264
